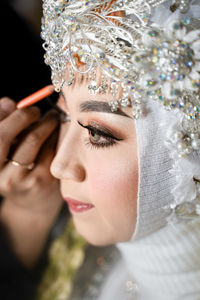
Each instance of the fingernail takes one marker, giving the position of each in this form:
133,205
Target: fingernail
7,105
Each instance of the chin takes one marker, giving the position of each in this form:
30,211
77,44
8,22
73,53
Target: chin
98,237
95,239
98,242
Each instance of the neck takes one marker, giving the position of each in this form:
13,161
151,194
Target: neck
166,264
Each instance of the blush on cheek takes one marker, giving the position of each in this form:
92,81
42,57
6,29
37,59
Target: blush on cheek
113,184
113,191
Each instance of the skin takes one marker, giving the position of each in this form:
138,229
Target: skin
31,199
81,168
106,177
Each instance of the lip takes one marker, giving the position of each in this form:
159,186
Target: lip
77,206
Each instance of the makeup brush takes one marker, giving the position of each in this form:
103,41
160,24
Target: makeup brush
36,97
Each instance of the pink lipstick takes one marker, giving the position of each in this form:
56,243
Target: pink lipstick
77,206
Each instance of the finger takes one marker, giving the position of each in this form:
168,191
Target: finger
28,149
41,175
14,124
16,179
48,150
7,106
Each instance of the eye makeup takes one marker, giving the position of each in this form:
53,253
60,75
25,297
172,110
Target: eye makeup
99,137
99,130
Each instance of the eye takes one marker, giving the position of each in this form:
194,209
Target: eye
99,137
95,137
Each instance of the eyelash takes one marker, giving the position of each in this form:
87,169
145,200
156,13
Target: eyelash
109,140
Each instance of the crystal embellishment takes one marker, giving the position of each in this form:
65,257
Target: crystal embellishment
114,105
161,64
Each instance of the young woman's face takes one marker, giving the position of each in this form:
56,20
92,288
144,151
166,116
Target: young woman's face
96,163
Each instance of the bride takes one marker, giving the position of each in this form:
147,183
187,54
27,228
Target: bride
128,153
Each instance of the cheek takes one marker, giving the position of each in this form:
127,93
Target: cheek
113,186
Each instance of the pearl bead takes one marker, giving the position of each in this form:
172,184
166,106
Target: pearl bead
196,144
182,154
181,146
188,150
177,136
184,8
194,136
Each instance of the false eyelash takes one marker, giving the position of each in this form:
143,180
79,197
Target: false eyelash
99,131
110,139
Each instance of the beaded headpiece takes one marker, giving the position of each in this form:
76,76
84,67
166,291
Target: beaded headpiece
162,64
147,61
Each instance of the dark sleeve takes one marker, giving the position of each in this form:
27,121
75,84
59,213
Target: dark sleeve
15,281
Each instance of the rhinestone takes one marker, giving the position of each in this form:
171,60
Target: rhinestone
114,105
169,60
124,102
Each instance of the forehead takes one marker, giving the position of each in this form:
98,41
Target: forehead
93,85
79,95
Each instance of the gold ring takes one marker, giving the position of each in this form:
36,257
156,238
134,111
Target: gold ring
25,166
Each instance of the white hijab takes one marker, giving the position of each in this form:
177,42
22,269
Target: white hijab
163,259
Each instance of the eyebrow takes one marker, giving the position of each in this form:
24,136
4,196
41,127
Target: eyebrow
98,106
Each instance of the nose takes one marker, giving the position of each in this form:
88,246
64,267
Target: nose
67,164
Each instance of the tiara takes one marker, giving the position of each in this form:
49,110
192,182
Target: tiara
159,63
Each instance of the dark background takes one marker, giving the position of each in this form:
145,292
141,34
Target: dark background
22,66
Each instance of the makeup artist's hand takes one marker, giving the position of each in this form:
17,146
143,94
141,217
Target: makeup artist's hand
31,198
